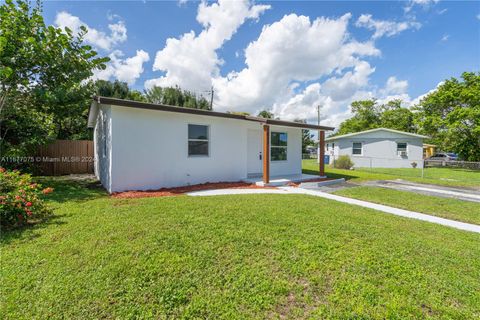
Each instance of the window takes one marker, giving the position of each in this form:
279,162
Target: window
357,148
278,148
327,146
197,140
401,146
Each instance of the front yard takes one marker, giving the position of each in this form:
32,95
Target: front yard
453,177
250,256
454,209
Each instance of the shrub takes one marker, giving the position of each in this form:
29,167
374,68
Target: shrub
343,162
414,164
20,199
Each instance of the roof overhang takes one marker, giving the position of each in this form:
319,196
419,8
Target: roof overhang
375,130
92,114
162,107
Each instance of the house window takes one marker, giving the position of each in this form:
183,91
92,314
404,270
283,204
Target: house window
197,140
327,146
278,146
357,148
401,148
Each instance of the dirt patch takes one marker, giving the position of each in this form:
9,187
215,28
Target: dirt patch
168,192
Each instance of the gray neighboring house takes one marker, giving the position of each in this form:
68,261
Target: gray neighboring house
378,148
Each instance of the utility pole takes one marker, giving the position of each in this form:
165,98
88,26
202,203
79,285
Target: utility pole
211,99
318,111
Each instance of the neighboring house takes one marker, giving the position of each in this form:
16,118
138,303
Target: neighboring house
378,148
142,146
428,150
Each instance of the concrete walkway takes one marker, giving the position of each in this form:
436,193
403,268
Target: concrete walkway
428,189
361,203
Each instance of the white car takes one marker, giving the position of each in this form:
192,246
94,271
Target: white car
444,156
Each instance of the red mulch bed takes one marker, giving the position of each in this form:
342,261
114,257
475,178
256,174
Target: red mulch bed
167,192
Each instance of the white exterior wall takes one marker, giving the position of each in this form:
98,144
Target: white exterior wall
380,150
102,137
149,150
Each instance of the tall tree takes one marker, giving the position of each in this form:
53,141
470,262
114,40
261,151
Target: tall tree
366,115
394,116
265,114
307,137
369,114
451,116
175,96
117,89
43,71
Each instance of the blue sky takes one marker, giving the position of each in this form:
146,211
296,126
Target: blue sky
383,49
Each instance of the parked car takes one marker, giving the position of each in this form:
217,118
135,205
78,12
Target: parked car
444,156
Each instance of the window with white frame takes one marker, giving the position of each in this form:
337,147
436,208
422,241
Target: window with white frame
278,146
402,148
357,148
198,136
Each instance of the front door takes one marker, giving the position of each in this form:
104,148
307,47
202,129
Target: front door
254,153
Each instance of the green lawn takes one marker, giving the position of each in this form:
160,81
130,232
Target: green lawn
440,176
464,211
249,256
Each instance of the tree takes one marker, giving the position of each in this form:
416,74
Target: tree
265,114
175,96
117,89
451,116
306,137
368,114
394,116
43,71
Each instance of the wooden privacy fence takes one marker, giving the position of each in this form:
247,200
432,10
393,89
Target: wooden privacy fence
66,157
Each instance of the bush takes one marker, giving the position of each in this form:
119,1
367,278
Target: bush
20,199
414,164
343,162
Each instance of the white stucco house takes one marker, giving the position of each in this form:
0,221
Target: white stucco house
142,146
378,148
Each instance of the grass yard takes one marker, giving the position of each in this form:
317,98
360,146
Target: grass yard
249,256
439,176
459,210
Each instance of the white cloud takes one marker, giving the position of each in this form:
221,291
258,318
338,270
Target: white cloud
99,39
191,61
440,12
445,38
291,51
394,86
385,27
423,3
478,16
127,70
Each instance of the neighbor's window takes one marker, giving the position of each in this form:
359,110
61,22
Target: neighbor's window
278,146
357,148
197,140
401,146
327,146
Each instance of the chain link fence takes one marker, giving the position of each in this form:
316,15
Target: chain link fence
460,171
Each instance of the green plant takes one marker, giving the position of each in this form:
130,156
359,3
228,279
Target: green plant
343,162
20,199
414,164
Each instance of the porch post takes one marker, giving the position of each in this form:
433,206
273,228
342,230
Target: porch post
266,154
321,146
